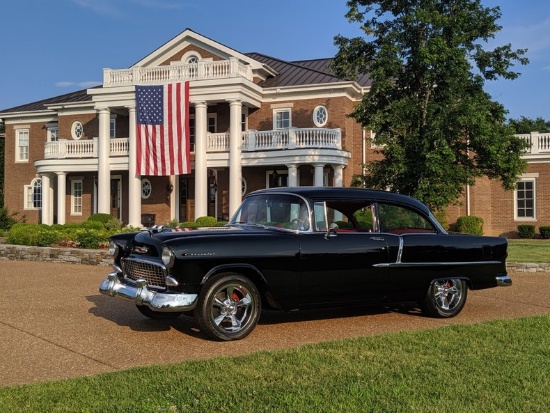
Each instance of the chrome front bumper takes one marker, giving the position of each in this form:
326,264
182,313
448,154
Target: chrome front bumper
141,295
503,280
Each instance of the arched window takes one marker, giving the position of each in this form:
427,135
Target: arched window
77,130
320,116
33,194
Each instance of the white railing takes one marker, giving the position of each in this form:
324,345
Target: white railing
252,141
219,69
86,148
293,138
538,142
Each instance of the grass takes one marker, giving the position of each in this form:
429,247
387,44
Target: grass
499,366
536,251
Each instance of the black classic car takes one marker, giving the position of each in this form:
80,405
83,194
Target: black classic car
304,247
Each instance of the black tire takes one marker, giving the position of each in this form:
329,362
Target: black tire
229,307
157,315
445,298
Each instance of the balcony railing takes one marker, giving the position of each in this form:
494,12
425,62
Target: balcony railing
219,69
293,138
538,142
86,148
252,141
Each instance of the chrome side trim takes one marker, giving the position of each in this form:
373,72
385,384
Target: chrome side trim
141,295
503,280
400,252
432,263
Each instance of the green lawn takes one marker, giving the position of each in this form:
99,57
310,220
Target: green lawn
529,251
500,366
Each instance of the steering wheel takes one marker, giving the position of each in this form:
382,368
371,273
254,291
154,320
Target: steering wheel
296,223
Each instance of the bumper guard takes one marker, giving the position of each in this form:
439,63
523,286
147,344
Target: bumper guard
141,295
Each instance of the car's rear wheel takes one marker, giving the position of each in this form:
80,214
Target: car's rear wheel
157,315
228,307
445,298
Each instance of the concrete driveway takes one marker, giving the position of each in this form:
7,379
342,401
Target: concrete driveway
54,324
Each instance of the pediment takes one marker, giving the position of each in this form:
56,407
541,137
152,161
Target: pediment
173,51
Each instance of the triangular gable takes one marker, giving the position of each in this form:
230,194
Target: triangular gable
187,38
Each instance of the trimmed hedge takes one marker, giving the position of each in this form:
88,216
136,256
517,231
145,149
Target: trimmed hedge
544,232
470,225
526,231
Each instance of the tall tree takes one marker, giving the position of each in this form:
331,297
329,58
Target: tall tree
438,129
528,125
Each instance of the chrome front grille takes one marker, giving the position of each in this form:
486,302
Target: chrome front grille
153,273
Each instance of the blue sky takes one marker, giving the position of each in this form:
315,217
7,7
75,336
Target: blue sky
52,47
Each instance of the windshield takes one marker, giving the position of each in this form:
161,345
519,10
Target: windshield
277,211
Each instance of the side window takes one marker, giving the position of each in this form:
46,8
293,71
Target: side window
22,148
282,119
33,194
76,197
398,220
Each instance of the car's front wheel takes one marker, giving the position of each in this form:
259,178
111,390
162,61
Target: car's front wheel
445,298
228,307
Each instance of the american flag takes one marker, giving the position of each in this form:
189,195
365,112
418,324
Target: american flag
163,129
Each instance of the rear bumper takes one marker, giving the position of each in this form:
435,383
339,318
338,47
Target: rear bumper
503,280
141,295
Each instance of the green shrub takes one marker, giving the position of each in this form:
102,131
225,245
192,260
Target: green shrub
470,225
91,238
33,234
100,217
206,221
526,231
7,220
113,224
544,232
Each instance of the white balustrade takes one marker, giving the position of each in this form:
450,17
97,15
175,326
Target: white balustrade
538,142
252,141
219,69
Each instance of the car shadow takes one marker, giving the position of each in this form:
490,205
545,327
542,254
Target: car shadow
270,317
124,314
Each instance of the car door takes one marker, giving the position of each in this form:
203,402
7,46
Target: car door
349,265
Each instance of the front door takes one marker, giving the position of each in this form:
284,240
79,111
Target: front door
116,197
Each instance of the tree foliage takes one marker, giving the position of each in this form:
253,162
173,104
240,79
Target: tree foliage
528,125
438,129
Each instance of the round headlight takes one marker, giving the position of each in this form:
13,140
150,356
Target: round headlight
113,248
167,256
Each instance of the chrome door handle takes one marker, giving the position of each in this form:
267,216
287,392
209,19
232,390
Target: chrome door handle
377,238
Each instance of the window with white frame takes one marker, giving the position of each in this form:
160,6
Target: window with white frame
76,196
77,130
212,122
320,116
112,127
22,145
282,118
33,194
52,132
525,200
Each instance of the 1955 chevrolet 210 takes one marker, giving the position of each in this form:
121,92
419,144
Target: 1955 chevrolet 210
303,247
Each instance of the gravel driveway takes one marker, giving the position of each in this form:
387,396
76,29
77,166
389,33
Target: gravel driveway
54,323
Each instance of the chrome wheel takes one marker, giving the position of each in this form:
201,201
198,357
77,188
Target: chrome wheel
228,307
445,298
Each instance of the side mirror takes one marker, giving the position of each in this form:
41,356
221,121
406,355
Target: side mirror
332,229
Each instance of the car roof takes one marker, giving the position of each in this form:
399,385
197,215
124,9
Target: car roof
344,193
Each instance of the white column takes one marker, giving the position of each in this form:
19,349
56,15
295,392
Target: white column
103,171
46,186
201,174
61,192
235,142
134,180
318,174
292,175
338,175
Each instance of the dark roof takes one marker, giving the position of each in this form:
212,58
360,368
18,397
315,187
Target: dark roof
78,96
301,72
